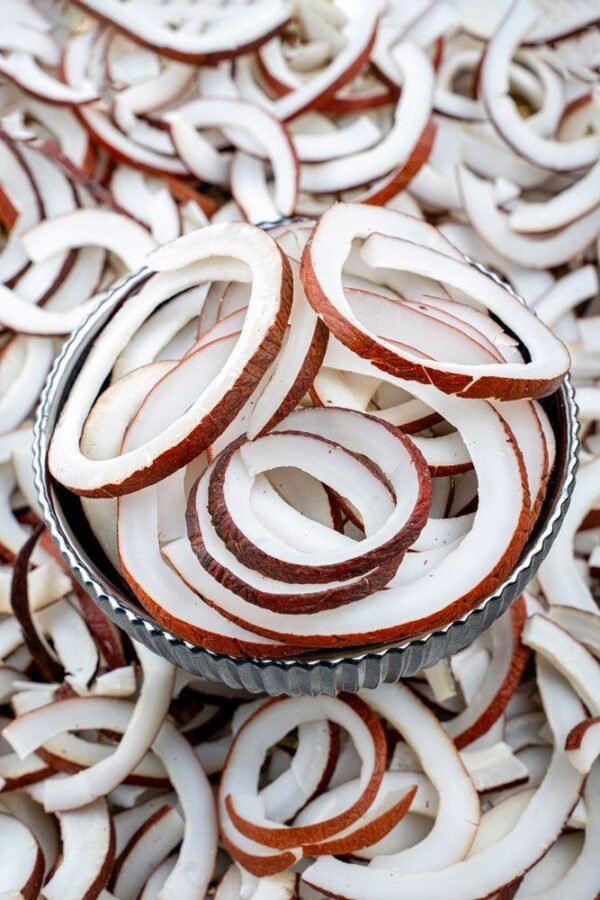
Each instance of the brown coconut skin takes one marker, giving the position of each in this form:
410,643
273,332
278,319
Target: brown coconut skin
293,837
31,890
483,387
213,424
577,734
255,558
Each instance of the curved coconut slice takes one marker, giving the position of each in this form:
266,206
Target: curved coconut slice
221,38
309,769
22,872
117,406
493,226
568,656
265,453
238,790
21,607
25,71
20,396
72,643
547,153
26,318
98,227
151,844
564,208
581,624
182,438
300,358
410,119
259,124
66,128
502,677
458,806
567,293
250,189
567,866
559,576
334,142
88,849
159,91
151,339
321,277
146,719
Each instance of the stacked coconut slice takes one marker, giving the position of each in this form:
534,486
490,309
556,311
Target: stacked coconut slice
319,436
285,474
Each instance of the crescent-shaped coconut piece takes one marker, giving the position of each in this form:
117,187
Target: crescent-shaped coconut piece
502,109
22,871
240,806
156,838
402,466
559,576
568,656
88,852
503,675
177,440
222,38
494,228
583,744
321,274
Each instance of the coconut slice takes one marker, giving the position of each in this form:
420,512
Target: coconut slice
87,853
568,656
154,840
262,455
502,677
253,25
102,228
147,718
559,575
310,768
28,74
321,277
263,329
583,744
23,871
493,226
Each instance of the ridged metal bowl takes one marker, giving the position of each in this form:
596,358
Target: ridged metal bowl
327,672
